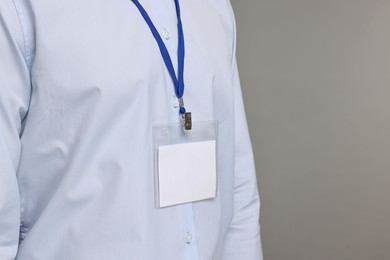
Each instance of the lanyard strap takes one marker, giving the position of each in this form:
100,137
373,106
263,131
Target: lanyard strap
179,80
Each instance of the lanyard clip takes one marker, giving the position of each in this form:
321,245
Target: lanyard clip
186,116
187,121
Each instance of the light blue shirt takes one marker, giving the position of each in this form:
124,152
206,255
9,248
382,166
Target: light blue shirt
81,85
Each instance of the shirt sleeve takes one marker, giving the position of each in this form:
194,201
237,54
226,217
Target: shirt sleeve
243,238
14,102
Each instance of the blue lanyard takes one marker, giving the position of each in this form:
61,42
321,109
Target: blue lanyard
178,81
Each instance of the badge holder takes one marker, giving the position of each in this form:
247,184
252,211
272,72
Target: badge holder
185,163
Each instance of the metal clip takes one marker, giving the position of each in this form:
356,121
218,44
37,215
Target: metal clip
187,121
181,102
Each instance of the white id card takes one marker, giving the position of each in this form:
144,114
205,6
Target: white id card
186,172
185,163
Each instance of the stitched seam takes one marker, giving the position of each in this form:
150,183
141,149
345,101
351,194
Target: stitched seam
26,37
233,60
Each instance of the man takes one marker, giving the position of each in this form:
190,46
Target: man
83,87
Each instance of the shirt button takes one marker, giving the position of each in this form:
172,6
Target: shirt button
166,34
188,238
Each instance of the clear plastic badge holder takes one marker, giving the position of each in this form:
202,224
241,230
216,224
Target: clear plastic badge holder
204,132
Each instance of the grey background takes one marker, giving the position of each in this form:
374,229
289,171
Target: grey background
316,82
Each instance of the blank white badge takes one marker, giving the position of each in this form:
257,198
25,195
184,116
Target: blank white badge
187,172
